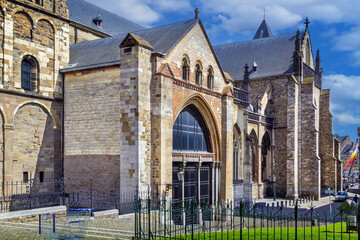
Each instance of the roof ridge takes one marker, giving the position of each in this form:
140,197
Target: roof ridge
257,39
163,25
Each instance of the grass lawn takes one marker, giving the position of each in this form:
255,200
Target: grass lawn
324,232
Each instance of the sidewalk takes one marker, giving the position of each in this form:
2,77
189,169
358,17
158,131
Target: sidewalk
304,203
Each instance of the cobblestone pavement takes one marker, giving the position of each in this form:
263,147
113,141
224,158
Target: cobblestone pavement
95,229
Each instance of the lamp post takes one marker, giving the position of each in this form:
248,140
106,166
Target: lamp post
274,188
180,176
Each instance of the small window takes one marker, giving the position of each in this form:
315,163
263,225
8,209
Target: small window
185,69
29,74
210,79
25,177
198,75
38,2
41,177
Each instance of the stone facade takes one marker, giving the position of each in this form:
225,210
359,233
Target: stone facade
92,128
32,119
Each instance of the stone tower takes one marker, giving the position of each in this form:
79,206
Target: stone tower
35,45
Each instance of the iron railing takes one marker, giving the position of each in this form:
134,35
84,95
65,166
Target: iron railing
241,95
162,219
29,195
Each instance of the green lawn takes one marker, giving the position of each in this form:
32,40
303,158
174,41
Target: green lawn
325,232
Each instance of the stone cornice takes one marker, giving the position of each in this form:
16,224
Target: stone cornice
190,86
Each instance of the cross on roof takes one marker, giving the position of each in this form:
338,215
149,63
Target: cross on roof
264,13
307,22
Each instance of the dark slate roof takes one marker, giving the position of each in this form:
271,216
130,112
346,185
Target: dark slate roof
106,51
273,56
83,12
263,31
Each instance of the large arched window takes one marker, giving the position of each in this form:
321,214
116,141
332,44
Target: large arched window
29,74
190,133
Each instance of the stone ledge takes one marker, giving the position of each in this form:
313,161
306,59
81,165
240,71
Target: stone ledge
112,213
32,212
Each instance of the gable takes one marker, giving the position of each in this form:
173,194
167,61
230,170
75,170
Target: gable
196,47
306,47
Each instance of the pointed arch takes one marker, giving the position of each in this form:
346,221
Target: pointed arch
237,149
185,65
254,155
266,157
201,105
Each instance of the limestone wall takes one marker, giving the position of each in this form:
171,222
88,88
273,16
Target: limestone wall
78,35
92,128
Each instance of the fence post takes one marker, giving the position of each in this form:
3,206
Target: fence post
39,223
91,195
241,217
53,222
296,218
192,219
357,221
149,213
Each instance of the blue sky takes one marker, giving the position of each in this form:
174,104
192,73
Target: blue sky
334,30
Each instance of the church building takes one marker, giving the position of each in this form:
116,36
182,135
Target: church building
96,100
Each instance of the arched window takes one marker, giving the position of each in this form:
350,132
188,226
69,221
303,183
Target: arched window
29,74
185,69
236,151
210,79
198,74
190,133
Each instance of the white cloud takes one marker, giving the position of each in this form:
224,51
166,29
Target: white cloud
343,87
345,98
172,5
347,118
138,11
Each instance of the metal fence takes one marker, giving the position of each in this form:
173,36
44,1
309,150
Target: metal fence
29,195
162,219
35,194
104,198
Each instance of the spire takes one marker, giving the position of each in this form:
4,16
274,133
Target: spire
263,31
297,55
318,62
246,83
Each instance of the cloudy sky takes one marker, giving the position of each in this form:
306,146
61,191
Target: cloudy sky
334,29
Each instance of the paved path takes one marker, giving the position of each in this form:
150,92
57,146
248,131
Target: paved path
97,229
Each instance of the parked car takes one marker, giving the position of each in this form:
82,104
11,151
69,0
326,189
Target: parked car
341,196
